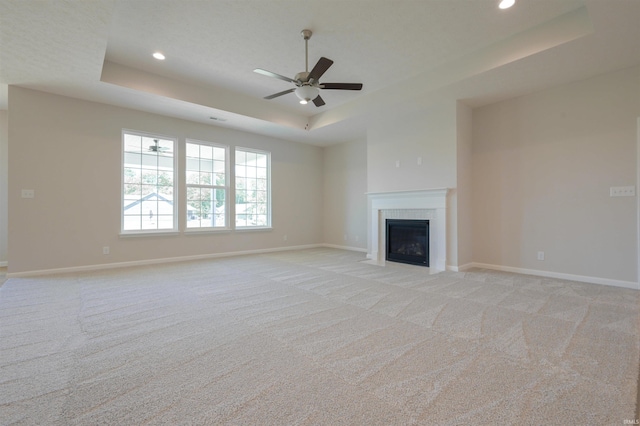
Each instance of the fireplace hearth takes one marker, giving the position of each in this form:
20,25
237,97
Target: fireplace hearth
407,241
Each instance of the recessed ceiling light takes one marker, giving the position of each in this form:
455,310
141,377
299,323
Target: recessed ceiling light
159,56
506,4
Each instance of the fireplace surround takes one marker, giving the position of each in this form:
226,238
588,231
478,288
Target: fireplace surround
430,204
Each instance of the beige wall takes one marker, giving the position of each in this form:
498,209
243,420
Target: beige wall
542,168
68,151
4,186
345,200
404,134
464,216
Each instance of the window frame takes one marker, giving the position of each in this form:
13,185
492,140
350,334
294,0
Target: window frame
226,188
175,211
268,189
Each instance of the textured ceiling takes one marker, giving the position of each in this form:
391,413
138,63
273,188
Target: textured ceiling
100,50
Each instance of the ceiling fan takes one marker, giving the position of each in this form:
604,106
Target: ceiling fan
157,148
307,83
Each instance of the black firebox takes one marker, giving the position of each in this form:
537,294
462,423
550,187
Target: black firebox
408,241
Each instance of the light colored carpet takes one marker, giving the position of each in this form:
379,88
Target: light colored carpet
314,337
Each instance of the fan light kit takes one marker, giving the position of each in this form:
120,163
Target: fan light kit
306,93
159,56
307,83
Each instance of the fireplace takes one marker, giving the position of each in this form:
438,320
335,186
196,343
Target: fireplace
428,204
407,241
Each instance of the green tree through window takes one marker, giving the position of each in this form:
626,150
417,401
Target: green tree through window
206,177
148,183
252,189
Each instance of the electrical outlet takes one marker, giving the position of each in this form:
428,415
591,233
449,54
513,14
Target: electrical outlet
622,191
540,255
28,193
105,250
284,238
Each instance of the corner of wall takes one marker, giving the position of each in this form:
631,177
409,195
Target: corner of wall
4,186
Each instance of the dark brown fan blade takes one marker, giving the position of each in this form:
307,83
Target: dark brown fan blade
274,75
318,101
321,67
275,95
341,86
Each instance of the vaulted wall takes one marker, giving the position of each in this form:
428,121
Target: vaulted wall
69,152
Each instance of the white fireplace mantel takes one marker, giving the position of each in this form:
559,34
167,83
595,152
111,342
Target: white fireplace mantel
428,204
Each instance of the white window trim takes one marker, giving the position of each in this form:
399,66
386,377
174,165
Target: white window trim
269,225
149,232
227,188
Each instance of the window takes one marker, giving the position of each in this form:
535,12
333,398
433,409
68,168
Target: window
252,173
206,177
148,183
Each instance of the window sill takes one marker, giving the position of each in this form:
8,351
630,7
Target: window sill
257,228
169,233
200,231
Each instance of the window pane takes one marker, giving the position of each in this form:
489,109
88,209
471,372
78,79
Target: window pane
218,166
133,159
206,151
261,220
132,143
165,162
192,178
252,184
193,150
219,154
150,160
193,164
206,165
193,194
206,207
148,178
251,159
206,178
131,175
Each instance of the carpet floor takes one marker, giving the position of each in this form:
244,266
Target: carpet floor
315,337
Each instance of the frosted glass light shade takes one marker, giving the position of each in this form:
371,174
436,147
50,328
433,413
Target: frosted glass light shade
306,93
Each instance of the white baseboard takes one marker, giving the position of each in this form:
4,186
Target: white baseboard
558,275
103,266
460,268
335,246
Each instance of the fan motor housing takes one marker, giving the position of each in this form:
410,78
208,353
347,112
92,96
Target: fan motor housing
302,77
